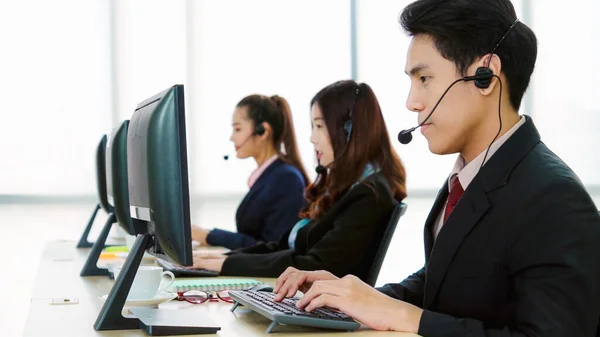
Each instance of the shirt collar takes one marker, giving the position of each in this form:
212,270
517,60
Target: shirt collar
466,173
259,170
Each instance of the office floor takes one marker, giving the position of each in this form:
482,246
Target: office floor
25,229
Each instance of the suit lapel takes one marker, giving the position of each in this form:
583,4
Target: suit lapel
262,181
241,211
467,213
440,201
472,206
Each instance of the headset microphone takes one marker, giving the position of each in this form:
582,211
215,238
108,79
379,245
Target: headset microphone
405,136
482,78
320,169
259,130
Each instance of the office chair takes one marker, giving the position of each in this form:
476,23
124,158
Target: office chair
398,211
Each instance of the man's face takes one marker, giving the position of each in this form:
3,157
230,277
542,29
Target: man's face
460,112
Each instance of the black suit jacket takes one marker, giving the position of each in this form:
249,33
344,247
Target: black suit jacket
344,241
270,208
518,256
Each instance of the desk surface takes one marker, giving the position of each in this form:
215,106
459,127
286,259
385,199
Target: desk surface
58,277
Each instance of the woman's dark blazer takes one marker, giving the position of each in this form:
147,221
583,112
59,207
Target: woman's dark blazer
344,241
270,208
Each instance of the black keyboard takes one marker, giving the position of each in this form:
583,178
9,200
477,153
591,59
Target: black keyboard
286,312
180,271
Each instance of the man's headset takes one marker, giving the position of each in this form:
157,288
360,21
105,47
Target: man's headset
482,79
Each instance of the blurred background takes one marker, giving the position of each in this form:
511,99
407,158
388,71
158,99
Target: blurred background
71,70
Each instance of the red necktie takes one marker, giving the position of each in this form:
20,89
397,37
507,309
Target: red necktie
456,192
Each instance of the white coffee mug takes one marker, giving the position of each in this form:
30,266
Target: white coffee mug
147,281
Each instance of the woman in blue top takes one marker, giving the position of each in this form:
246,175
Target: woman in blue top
262,127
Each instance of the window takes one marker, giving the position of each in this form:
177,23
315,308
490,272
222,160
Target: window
288,48
382,48
564,85
56,96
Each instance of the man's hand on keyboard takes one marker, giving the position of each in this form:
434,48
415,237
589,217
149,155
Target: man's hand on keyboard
363,303
293,280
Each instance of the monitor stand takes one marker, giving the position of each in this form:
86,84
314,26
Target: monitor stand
90,267
83,241
155,322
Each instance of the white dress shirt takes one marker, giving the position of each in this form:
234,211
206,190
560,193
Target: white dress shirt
466,174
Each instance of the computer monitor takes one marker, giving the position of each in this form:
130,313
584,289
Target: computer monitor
159,208
101,190
117,184
116,196
101,185
158,174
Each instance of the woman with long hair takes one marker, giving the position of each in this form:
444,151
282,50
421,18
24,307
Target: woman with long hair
262,128
360,180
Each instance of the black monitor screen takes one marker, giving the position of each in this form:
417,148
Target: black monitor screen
117,179
109,180
158,176
137,161
101,183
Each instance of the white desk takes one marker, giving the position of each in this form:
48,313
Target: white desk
58,277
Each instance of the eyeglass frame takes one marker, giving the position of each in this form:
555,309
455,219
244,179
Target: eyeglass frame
209,298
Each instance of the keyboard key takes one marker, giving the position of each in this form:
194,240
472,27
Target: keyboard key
288,307
286,312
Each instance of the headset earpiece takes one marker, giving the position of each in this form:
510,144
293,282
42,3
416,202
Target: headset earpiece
348,123
483,77
348,129
259,129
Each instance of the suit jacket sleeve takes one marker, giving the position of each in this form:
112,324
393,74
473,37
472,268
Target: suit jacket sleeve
556,284
338,251
260,248
410,290
231,240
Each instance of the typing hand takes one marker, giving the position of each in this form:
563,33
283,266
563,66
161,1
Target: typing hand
362,302
213,263
199,234
203,254
293,280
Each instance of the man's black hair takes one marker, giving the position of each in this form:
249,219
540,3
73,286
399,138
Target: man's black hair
464,30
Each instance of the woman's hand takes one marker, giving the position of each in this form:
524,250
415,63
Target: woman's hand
199,234
214,263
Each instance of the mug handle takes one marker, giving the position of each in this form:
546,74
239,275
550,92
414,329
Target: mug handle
164,286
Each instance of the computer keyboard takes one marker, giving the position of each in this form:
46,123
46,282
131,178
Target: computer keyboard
180,271
286,312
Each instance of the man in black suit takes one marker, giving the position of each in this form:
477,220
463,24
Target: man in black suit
512,241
